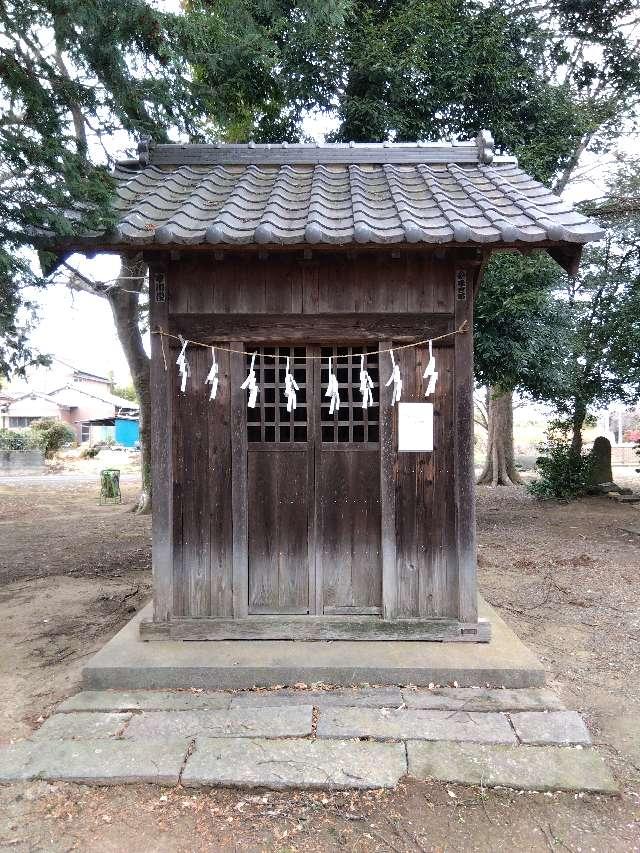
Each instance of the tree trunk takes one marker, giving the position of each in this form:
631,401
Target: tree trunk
577,422
500,469
124,301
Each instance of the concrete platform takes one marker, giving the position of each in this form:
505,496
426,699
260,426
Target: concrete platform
127,663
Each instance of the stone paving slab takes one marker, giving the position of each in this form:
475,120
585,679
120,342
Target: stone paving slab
95,762
392,724
482,699
81,725
532,768
328,764
238,722
553,727
145,700
363,697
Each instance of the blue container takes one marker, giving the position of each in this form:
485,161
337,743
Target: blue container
127,432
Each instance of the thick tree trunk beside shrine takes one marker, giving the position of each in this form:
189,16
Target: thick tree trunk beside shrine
499,469
578,418
124,301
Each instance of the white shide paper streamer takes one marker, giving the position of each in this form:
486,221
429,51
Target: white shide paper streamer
396,379
251,384
184,371
430,372
212,376
333,390
366,385
290,388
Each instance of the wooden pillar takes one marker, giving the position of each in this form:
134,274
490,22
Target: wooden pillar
239,497
388,504
464,473
162,411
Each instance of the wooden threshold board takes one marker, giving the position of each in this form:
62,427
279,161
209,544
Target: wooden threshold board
365,628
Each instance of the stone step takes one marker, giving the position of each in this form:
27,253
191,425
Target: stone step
550,727
482,699
531,768
345,697
84,724
294,763
95,762
145,700
442,698
237,722
403,724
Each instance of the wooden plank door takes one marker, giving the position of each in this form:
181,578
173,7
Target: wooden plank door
280,486
347,487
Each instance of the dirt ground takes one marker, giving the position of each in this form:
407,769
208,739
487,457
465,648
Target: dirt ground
567,578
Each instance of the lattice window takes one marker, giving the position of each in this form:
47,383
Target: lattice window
270,421
351,423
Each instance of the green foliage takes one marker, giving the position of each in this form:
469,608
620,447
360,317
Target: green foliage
22,439
46,435
548,79
564,474
430,69
520,327
574,342
17,313
127,392
601,361
78,77
89,452
110,486
280,61
52,435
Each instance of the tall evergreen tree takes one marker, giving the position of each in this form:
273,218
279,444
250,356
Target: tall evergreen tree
551,80
601,362
78,77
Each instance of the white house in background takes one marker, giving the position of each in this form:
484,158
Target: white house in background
57,375
69,394
21,411
86,407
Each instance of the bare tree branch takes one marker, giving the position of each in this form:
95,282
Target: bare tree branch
76,112
79,281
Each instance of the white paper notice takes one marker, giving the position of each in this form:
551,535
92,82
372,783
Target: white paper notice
415,427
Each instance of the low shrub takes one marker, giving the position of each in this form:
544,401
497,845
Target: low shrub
89,452
18,439
52,435
564,474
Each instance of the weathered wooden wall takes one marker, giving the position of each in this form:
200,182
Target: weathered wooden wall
332,284
425,513
333,297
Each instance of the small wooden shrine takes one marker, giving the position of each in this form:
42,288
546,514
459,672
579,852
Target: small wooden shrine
312,379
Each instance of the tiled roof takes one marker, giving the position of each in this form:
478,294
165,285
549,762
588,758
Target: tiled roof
384,194
69,394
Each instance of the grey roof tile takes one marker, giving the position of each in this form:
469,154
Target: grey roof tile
335,199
